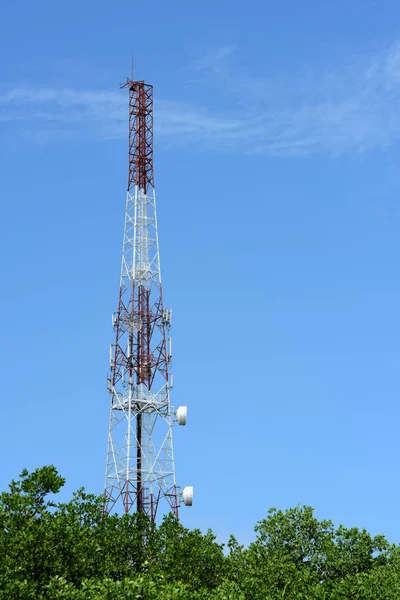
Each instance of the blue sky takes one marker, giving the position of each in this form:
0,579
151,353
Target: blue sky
276,163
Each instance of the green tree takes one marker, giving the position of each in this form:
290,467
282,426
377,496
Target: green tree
188,556
24,512
55,551
69,543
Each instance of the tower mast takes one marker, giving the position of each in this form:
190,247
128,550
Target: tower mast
140,470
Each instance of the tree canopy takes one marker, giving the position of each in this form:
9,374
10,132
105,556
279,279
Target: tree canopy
54,551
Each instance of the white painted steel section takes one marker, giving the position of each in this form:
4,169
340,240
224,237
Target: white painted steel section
141,265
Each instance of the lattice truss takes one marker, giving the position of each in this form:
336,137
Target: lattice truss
140,460
140,471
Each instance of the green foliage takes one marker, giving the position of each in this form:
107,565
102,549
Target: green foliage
188,556
297,556
57,551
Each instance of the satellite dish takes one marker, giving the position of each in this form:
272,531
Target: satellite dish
181,414
187,495
132,324
135,324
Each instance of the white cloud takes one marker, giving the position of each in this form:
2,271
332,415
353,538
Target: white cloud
351,110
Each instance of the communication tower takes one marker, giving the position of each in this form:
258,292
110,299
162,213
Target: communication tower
140,469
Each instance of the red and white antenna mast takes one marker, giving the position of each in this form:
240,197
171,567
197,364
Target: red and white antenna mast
140,470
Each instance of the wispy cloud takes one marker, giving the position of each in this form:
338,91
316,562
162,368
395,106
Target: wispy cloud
353,109
102,115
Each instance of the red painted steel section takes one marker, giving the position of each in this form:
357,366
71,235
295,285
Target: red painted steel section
140,171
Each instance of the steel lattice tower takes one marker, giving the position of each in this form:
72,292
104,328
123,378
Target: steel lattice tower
140,471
